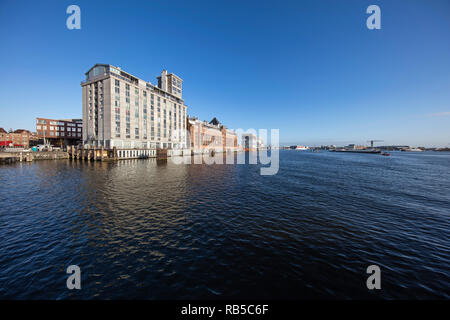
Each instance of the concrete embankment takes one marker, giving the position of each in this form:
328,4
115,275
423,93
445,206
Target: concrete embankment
11,157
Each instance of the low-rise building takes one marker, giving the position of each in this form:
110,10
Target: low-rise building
353,146
59,132
16,138
205,137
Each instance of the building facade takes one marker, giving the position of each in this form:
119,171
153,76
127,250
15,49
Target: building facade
123,111
249,142
17,138
205,137
59,132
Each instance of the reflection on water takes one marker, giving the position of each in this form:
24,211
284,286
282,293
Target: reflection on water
158,230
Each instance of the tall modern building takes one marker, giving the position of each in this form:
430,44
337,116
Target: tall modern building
123,111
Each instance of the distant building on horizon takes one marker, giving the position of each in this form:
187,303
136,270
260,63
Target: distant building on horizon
123,111
249,142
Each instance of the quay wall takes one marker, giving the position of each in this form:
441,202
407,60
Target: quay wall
28,156
50,155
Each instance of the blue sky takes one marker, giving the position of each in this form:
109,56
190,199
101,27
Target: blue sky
310,68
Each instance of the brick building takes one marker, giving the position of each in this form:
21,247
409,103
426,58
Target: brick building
17,138
205,137
58,132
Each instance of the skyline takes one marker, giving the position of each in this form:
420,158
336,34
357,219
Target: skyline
313,70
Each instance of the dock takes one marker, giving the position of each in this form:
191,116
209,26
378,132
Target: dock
114,154
29,156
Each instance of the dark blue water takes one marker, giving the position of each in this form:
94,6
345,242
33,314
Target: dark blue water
142,230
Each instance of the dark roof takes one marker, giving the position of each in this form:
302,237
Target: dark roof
3,130
214,121
21,131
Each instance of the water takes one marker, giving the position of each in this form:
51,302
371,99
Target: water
139,229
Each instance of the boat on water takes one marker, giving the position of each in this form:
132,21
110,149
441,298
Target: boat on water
386,154
296,147
371,151
413,150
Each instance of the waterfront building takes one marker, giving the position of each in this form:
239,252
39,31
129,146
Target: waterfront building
59,132
205,137
123,111
249,142
353,146
260,143
17,138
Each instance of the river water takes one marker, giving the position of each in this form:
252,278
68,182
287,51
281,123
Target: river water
139,229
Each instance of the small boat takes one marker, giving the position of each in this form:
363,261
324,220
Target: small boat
385,154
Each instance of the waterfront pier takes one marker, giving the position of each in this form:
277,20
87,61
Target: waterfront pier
103,154
29,156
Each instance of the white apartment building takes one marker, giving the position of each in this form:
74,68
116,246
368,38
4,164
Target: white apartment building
123,111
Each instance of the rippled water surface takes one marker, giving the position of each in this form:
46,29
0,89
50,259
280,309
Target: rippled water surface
139,229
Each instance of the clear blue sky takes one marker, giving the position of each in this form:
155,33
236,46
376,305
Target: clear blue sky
310,68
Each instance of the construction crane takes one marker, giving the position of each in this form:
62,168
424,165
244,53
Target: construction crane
372,141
